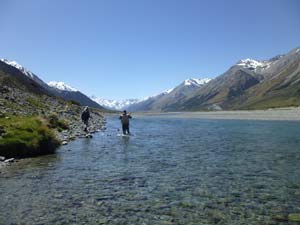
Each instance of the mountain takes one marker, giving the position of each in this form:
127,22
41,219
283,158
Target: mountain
34,119
52,88
13,74
169,100
252,84
69,93
24,71
115,104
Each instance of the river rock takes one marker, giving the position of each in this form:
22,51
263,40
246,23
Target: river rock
2,158
280,218
294,217
64,143
2,130
9,160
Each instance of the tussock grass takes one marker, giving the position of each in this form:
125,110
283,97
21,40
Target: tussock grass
56,123
26,136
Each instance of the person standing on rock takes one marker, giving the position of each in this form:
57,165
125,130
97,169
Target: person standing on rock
125,122
85,116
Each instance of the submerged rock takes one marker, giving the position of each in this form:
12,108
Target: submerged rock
280,218
9,160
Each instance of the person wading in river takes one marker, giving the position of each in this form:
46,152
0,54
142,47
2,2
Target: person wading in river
125,122
85,116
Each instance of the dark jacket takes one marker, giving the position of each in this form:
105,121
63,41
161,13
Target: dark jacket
125,119
85,115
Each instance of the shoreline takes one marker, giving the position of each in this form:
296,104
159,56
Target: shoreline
278,114
96,124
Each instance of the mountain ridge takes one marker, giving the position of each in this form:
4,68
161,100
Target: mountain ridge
248,84
242,87
58,89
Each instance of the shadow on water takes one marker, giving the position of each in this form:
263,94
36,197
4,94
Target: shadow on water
171,171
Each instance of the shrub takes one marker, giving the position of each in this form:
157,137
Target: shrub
35,102
73,102
56,123
26,136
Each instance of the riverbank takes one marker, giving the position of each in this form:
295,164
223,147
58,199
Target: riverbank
76,127
27,136
280,114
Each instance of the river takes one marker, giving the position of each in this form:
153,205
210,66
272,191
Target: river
170,171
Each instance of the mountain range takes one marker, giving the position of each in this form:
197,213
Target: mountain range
251,84
115,104
248,84
165,100
58,89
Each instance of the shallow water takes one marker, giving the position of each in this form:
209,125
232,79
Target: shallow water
171,171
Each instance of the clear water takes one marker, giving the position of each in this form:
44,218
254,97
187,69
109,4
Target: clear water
172,171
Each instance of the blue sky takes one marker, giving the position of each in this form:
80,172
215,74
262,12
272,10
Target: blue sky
120,49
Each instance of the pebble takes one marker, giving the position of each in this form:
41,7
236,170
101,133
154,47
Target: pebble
57,195
280,218
2,158
64,143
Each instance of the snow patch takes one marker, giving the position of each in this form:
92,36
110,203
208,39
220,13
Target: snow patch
254,64
169,91
61,86
196,81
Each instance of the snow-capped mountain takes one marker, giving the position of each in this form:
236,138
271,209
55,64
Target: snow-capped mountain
19,67
251,84
115,104
61,86
181,90
68,92
167,99
258,66
59,89
25,71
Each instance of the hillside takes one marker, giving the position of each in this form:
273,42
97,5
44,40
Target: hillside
248,84
257,85
21,96
169,100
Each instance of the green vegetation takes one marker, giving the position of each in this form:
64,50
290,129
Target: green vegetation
26,136
56,123
73,102
35,102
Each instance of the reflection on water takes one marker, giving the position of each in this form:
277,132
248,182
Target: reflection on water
171,171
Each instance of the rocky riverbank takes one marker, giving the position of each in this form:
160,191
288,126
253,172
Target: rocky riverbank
16,104
76,127
75,130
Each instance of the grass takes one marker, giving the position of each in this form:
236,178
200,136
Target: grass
26,136
35,102
56,123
